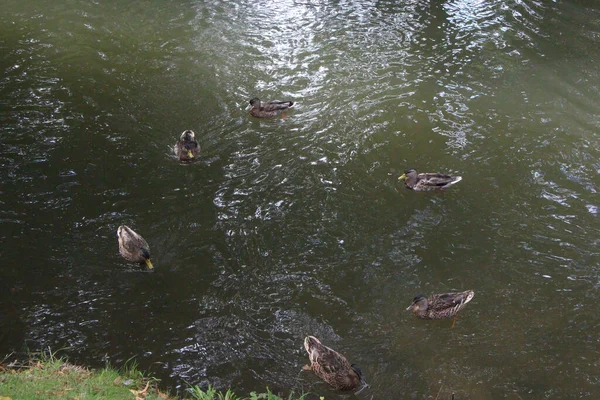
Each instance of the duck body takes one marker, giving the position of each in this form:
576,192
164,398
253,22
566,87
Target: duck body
428,181
269,109
133,247
440,306
187,147
332,367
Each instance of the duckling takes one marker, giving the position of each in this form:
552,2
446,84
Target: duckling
332,367
440,306
133,247
427,181
269,109
187,148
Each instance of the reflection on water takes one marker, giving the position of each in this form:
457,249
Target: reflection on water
297,226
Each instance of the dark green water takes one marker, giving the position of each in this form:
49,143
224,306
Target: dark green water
298,226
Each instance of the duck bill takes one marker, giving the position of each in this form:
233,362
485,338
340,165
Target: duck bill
402,177
410,307
149,264
190,155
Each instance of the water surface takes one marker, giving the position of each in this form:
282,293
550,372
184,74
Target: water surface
296,226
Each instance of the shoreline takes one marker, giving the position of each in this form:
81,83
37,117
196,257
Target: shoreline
46,376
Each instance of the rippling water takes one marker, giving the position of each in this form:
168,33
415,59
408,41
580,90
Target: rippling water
296,226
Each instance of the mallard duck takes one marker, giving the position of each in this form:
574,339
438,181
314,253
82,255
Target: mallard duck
427,181
187,148
332,367
133,247
269,109
440,306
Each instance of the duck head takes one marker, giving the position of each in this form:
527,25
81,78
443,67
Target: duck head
360,374
409,174
255,102
418,303
146,255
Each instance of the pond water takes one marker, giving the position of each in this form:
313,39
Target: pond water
293,226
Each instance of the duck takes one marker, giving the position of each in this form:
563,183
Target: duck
332,367
187,148
427,181
268,109
133,247
440,306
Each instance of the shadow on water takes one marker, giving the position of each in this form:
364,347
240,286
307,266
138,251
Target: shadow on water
297,226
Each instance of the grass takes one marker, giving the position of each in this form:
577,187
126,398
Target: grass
212,394
49,377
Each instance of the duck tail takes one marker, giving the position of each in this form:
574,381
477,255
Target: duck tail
455,180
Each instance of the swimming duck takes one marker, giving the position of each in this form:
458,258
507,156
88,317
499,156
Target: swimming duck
427,181
133,247
332,367
187,148
269,109
440,306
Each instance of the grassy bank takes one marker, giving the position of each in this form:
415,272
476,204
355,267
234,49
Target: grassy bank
49,377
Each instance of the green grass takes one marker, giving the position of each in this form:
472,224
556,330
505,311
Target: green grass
212,394
49,377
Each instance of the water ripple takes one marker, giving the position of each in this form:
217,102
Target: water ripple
298,225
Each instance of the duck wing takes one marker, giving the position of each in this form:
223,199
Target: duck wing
330,361
440,180
451,302
130,244
276,105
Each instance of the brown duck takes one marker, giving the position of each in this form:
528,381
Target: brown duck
187,148
332,367
440,306
133,247
427,181
269,109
